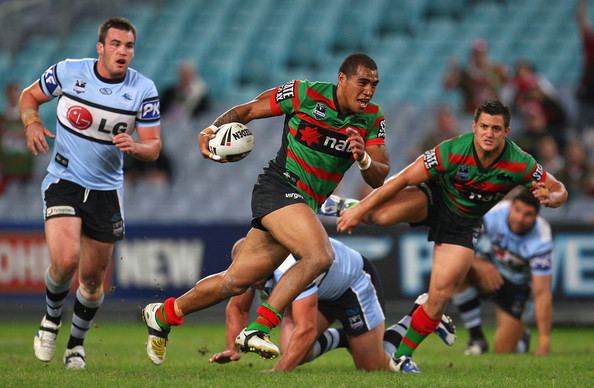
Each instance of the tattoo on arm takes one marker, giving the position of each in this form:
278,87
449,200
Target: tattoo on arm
231,116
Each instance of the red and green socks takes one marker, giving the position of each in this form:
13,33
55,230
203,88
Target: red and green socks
421,326
267,319
166,316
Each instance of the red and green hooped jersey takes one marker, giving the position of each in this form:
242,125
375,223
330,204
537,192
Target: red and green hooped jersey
469,189
314,153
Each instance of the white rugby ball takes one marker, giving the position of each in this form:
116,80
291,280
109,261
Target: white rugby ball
232,142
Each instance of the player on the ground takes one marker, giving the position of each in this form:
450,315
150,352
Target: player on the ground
349,292
449,189
101,102
513,257
327,128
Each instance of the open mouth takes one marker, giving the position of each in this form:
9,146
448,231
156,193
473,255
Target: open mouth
121,62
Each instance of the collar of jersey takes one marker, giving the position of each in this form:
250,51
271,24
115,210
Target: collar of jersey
107,80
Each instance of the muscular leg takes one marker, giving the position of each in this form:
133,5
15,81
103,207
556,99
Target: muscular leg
368,351
259,255
409,205
94,260
508,333
450,266
63,240
298,229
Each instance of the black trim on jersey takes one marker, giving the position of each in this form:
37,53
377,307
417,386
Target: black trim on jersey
56,75
98,106
147,120
150,99
107,80
479,165
81,135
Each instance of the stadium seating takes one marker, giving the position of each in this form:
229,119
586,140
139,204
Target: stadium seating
245,46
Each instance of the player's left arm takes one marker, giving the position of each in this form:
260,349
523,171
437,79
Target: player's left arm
148,146
304,333
550,192
543,309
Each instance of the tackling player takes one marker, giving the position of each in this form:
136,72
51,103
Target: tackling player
100,104
513,259
349,292
449,189
327,128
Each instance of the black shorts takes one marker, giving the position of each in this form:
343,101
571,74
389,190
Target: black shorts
271,192
361,307
446,227
512,298
99,210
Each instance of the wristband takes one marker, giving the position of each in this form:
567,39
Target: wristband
365,163
30,116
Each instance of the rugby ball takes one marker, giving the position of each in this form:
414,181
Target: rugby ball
232,142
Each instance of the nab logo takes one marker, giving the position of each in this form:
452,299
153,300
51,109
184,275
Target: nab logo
79,117
150,110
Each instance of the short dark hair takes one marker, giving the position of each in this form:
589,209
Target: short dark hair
351,63
524,195
119,23
493,108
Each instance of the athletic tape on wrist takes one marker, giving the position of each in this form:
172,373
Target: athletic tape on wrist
365,163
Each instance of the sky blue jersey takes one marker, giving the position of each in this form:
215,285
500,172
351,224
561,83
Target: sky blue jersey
343,274
91,111
516,256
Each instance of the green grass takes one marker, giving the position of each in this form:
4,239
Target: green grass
116,358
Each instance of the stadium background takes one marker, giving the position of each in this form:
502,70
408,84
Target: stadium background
180,232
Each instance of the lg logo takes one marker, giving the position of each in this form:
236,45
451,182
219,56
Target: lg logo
79,117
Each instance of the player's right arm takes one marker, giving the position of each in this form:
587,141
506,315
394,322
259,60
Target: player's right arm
412,175
31,98
258,108
237,317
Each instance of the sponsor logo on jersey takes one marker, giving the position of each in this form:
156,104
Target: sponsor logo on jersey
150,110
79,117
382,130
106,91
49,79
59,211
127,97
430,159
320,111
504,177
324,140
538,173
79,86
463,173
286,90
293,196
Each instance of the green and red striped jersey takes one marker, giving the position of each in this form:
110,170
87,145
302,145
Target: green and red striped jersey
470,189
314,153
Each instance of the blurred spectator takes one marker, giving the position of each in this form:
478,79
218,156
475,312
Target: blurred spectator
535,128
446,127
547,153
528,88
585,90
158,172
16,162
481,80
577,174
188,96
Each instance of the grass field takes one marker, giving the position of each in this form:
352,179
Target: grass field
116,358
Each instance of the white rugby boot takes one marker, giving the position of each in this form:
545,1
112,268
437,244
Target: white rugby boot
44,343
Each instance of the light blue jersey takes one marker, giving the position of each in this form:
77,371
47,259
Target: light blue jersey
344,271
516,256
91,111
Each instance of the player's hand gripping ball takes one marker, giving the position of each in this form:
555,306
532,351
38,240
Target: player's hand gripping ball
232,142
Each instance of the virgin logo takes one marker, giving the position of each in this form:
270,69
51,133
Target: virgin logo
79,117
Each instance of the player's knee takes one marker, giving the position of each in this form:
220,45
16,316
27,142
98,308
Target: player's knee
231,286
